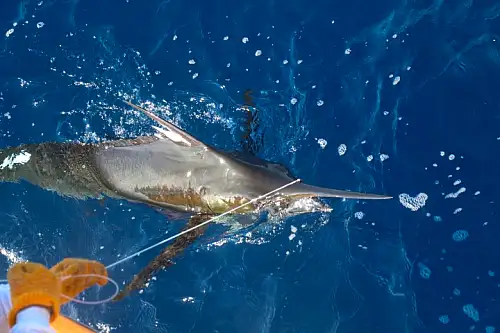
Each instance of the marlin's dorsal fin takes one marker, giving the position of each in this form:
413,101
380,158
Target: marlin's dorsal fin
169,131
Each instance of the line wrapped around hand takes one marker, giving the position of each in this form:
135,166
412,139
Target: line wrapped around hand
69,269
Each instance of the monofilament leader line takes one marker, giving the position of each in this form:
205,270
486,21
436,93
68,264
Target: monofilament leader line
200,225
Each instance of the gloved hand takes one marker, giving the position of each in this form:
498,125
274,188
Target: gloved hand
72,286
33,284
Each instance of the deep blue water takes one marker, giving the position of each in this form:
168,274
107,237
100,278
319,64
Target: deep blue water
327,71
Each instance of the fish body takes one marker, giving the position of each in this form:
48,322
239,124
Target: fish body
171,170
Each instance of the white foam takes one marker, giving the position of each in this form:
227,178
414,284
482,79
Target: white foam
383,157
11,255
21,158
455,194
322,143
342,148
359,215
413,203
9,32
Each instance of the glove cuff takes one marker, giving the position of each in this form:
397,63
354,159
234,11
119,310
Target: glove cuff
36,298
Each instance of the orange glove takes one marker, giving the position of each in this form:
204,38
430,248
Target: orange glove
33,284
72,286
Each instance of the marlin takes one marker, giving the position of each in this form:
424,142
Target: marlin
171,170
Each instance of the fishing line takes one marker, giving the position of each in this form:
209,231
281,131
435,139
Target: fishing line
106,300
156,245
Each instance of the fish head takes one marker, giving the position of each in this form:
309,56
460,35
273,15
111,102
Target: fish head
301,198
284,206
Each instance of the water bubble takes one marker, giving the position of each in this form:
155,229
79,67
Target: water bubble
322,143
383,157
460,235
359,215
471,312
455,194
425,272
342,148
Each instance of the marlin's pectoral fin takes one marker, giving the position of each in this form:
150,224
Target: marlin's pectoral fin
165,258
169,131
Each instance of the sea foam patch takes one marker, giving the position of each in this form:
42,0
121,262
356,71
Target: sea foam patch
21,158
413,203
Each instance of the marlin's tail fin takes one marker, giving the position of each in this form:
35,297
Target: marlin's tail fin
301,189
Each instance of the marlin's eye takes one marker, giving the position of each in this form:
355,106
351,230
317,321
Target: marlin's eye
203,190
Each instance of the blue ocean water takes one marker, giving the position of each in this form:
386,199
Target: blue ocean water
408,88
